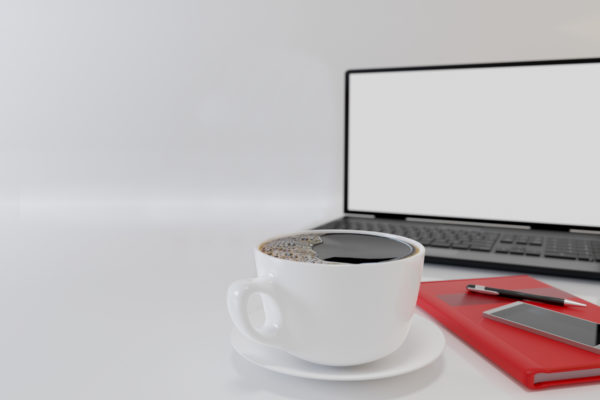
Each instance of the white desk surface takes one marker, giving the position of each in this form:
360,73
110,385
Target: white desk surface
129,303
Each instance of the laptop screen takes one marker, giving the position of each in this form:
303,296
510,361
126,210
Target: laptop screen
515,142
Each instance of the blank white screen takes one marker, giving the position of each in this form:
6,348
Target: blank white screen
502,143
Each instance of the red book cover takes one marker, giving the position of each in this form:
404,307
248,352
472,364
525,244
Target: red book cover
534,360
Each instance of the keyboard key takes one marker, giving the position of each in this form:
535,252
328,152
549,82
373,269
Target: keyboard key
503,249
533,251
481,248
536,241
482,245
482,242
460,245
440,243
507,239
522,239
517,250
566,256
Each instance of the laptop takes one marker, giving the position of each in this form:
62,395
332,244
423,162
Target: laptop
488,165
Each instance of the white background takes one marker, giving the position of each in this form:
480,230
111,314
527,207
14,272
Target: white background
146,146
154,102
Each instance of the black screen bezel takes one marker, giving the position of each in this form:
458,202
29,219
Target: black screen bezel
534,225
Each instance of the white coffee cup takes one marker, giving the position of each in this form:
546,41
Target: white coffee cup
338,315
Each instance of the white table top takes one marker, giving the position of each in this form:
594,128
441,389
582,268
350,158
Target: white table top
130,303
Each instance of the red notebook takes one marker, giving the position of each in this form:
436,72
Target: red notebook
534,360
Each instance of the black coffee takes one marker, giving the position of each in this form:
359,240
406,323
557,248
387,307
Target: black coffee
339,247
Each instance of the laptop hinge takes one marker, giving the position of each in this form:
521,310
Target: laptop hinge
588,232
353,215
482,224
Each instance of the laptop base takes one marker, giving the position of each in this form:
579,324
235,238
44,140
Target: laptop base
519,250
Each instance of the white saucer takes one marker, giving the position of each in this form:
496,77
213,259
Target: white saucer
423,345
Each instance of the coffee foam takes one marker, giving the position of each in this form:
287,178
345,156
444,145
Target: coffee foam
295,248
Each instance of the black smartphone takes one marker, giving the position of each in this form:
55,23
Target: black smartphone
551,324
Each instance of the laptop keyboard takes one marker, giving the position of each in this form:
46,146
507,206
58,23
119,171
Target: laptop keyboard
474,239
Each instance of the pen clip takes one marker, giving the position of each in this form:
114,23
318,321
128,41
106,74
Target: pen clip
481,289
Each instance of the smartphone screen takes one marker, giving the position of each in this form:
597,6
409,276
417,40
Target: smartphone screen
555,323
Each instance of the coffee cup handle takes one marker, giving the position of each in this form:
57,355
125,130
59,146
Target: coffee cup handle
238,294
